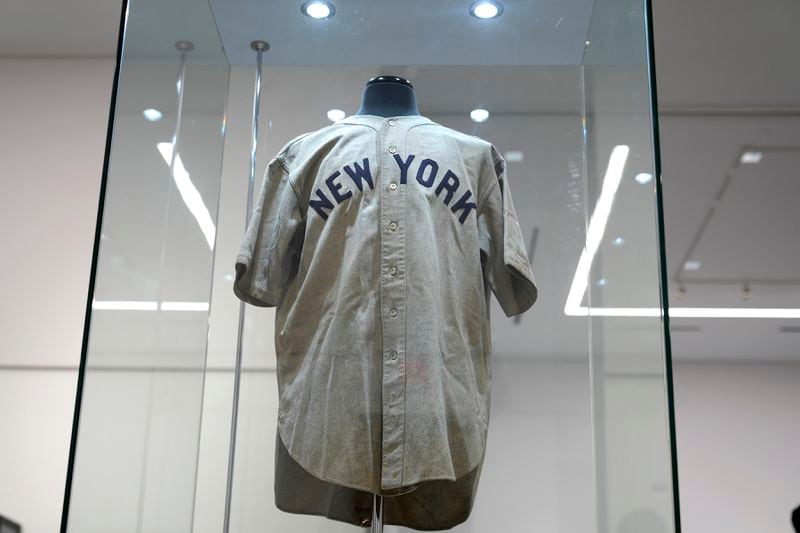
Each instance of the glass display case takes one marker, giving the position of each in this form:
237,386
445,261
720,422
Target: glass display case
177,405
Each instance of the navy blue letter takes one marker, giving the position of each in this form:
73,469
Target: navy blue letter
360,173
463,204
403,166
453,179
334,187
435,168
318,205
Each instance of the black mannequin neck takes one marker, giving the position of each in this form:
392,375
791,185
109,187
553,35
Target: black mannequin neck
388,96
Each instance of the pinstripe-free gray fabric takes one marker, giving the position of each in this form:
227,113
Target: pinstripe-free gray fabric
380,241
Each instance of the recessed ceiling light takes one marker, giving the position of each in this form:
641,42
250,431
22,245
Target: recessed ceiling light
751,157
691,265
336,114
486,9
479,115
602,282
619,241
152,115
515,156
318,9
643,177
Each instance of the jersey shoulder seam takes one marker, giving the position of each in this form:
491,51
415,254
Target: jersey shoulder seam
292,183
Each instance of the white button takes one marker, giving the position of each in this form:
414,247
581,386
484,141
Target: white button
392,226
392,149
392,312
392,122
392,185
393,270
393,355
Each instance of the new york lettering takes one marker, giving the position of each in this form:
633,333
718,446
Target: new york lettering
426,174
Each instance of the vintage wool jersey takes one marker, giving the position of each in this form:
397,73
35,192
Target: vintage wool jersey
379,241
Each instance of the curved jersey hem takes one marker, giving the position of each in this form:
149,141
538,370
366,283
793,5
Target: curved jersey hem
386,521
356,486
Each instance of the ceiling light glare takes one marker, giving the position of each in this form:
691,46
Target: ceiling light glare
479,115
152,115
751,158
486,9
335,114
318,9
643,177
619,241
602,282
691,265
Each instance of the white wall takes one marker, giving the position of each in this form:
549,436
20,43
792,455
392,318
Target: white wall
53,116
738,429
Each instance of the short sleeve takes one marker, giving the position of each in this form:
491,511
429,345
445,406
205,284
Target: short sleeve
269,254
506,267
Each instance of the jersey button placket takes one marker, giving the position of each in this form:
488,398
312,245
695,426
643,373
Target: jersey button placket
393,309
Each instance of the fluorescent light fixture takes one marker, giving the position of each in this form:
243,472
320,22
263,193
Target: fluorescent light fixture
751,158
688,312
643,177
479,115
184,306
124,305
189,194
594,235
515,156
597,226
130,305
318,9
733,312
691,265
619,241
336,114
616,311
486,9
152,115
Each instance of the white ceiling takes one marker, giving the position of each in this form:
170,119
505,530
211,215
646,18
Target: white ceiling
716,54
546,32
710,55
725,82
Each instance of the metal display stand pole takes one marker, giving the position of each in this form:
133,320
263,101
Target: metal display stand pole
377,514
260,47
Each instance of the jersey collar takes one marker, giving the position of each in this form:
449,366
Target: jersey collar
377,120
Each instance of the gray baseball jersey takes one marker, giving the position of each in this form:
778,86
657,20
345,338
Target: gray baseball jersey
379,241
